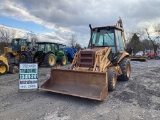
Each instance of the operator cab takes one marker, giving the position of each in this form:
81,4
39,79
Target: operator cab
18,43
109,36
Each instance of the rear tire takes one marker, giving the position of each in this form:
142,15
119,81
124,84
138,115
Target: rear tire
112,80
126,69
3,68
50,60
38,57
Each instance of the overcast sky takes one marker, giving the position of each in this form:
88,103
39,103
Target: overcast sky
62,18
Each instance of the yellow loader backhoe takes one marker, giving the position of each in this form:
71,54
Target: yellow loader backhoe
4,67
10,59
17,46
94,70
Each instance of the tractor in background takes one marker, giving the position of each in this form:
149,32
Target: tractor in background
47,53
70,52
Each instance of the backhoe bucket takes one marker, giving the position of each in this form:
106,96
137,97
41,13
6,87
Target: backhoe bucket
91,85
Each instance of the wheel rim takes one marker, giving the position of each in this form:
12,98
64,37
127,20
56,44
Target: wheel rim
23,57
128,70
114,80
51,60
64,61
3,69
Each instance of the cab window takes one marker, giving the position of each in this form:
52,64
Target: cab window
119,40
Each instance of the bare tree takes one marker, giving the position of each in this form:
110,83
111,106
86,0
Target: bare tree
13,34
157,28
128,36
78,46
73,41
152,39
34,39
157,31
4,35
4,39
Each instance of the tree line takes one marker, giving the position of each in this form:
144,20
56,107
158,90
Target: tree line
144,39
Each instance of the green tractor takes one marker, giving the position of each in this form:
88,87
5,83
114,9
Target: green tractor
47,53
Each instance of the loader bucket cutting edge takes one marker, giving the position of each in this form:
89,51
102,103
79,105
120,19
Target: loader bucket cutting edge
91,85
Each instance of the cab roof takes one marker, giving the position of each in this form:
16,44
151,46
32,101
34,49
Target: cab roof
46,43
108,27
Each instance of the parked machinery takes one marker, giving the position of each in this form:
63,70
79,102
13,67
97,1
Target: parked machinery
95,70
16,47
46,52
70,52
6,65
139,56
9,60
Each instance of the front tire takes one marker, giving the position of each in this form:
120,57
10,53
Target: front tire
126,69
3,68
50,60
112,80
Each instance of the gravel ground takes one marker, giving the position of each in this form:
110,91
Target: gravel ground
136,99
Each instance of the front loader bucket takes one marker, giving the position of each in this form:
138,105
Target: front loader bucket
91,85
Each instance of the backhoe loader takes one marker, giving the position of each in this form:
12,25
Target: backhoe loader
94,71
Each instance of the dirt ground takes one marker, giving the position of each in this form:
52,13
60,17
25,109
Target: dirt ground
136,99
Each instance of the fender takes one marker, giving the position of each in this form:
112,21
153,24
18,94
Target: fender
123,55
